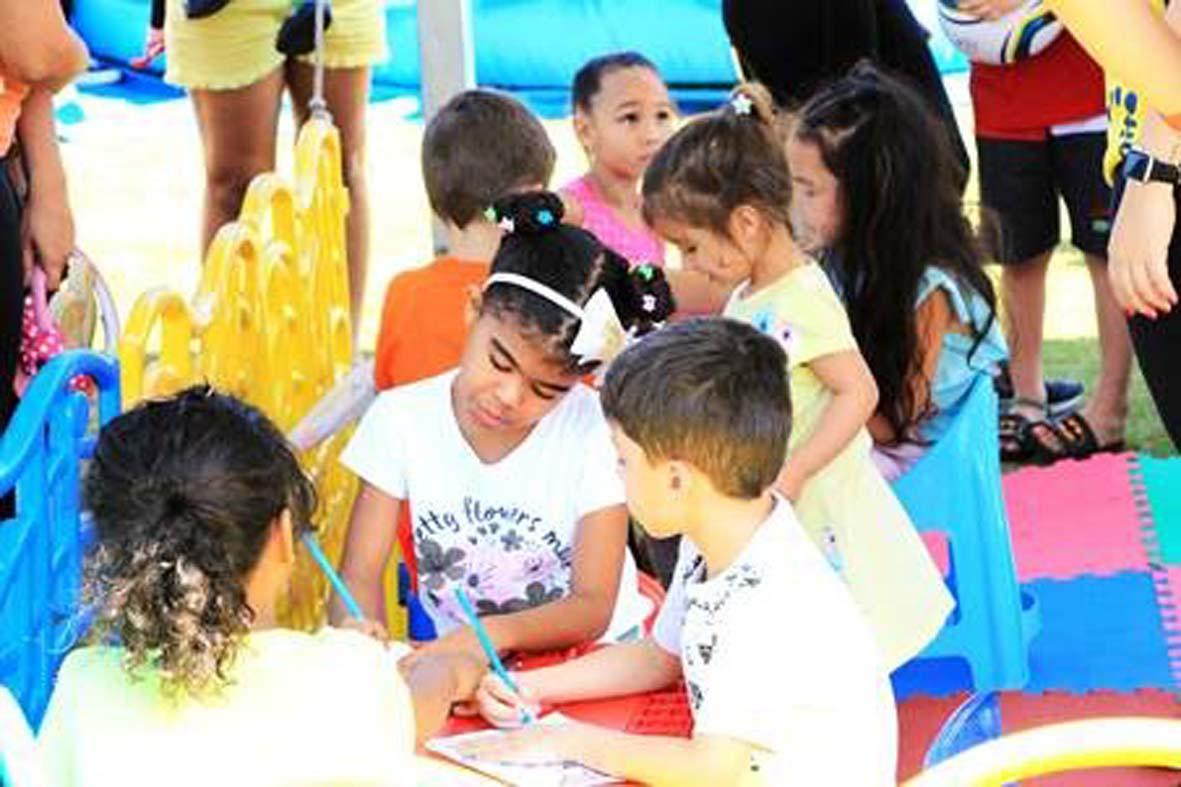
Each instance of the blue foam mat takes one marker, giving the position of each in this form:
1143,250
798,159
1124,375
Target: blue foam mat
1098,633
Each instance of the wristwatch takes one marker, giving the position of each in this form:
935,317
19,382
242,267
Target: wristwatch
1143,168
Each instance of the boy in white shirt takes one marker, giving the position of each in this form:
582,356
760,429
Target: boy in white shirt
784,678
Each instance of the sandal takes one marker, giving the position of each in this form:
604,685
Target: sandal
1018,433
1079,440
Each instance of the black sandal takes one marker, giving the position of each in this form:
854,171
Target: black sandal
1079,440
1018,433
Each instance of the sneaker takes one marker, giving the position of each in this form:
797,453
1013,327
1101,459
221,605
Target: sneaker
1062,396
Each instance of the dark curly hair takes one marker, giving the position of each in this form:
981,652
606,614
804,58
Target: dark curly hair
572,262
183,492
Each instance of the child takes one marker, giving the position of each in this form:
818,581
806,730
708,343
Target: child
876,187
622,115
785,683
478,147
719,190
197,503
506,462
1040,132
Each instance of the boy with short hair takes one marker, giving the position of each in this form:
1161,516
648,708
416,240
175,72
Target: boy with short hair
480,146
784,679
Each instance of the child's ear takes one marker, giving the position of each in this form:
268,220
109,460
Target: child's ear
471,309
583,130
745,224
283,531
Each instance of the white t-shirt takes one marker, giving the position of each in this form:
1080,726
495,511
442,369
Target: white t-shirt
504,531
328,708
776,653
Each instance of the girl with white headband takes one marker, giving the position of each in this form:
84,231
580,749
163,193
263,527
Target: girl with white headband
506,462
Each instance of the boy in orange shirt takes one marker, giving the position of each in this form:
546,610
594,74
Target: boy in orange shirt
480,146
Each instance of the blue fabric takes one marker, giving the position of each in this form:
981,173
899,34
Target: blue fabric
962,359
1098,633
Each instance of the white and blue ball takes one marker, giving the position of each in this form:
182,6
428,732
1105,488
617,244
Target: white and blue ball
1020,34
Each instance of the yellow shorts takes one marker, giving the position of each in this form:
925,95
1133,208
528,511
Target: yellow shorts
236,46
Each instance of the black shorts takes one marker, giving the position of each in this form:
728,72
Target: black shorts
1020,182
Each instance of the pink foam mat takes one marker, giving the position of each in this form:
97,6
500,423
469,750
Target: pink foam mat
921,717
1075,518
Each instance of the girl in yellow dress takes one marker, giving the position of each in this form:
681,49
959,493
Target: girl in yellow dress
719,190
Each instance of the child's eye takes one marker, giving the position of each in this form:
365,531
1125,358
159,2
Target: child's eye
631,118
498,365
664,116
542,393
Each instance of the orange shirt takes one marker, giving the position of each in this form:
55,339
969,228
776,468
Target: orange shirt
422,321
12,93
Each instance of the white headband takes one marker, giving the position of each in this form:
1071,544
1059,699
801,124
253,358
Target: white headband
600,335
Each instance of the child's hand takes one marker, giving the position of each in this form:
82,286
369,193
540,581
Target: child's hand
370,628
502,706
538,743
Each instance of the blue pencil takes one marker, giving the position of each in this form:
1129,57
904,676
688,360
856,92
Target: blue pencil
342,590
489,650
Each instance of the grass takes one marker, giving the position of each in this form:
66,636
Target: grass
1079,359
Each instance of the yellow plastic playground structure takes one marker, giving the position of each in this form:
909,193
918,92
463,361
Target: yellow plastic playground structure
269,322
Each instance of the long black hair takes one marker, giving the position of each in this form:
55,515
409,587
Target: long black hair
902,214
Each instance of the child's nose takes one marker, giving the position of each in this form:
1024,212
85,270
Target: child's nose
511,392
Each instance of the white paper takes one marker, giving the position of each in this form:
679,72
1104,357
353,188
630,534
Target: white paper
547,774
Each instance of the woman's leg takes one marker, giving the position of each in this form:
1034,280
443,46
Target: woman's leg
346,90
238,130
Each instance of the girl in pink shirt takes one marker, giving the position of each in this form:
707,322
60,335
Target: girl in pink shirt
622,115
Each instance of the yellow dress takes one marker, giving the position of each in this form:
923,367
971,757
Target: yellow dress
236,46
847,508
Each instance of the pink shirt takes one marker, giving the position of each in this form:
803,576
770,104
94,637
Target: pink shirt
12,93
637,244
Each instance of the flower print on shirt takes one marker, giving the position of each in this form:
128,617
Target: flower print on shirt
436,566
766,322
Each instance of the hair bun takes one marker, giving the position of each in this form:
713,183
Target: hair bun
529,212
751,99
653,297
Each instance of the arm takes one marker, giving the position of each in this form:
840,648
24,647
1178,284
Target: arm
367,549
657,760
48,236
1127,40
616,670
1139,246
855,396
579,617
934,318
37,46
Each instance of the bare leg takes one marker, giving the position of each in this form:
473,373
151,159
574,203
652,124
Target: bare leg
1107,409
238,130
346,90
1023,287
